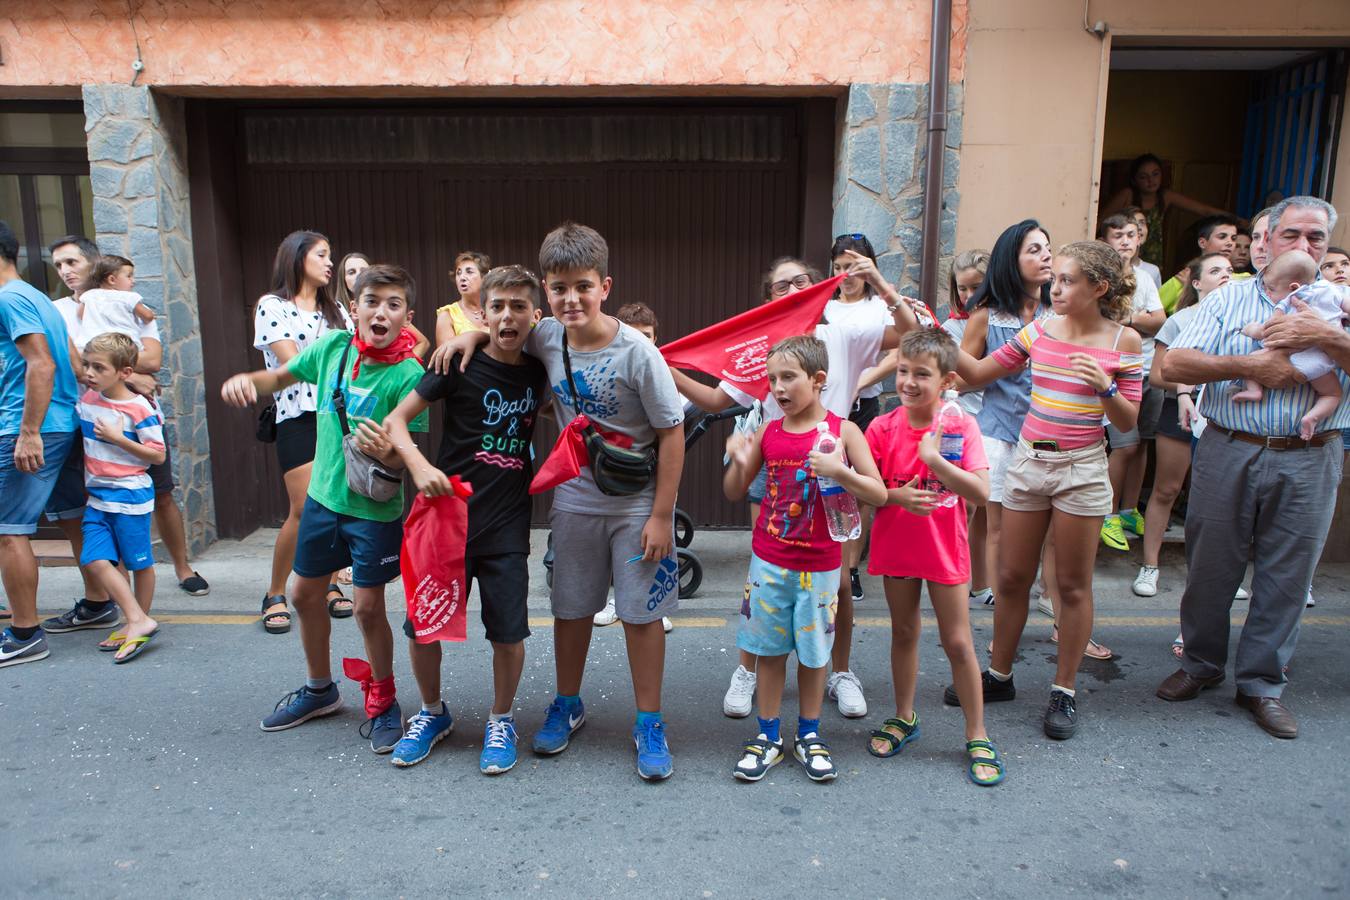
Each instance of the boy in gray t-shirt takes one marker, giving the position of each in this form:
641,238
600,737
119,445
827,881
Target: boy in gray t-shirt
625,388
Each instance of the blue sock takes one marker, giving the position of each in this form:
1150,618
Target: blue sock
807,726
646,718
770,729
571,701
318,685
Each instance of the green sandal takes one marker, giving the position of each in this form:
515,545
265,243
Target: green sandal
995,763
910,730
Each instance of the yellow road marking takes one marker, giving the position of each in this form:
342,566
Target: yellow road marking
722,621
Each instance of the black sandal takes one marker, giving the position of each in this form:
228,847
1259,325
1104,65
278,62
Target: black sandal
270,611
909,730
338,612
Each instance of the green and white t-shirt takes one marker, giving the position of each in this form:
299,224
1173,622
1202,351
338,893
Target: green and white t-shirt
371,397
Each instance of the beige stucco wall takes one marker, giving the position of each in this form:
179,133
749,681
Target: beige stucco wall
426,46
1035,93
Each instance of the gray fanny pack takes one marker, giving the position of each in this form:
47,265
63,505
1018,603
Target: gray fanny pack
366,475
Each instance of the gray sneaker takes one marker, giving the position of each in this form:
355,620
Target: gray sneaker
14,651
82,616
385,730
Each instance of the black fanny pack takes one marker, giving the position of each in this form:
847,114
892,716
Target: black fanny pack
618,471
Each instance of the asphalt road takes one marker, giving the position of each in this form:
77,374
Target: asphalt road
153,779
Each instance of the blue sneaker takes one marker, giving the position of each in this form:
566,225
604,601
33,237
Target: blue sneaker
14,651
300,706
653,754
385,730
424,732
560,723
499,747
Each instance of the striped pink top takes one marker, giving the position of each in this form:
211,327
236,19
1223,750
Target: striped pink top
1064,407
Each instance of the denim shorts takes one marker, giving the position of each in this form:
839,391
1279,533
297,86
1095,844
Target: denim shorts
329,541
23,497
68,493
117,538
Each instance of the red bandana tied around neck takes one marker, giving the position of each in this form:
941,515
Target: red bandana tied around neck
954,313
399,349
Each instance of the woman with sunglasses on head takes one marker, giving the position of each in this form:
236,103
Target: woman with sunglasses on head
852,348
1085,366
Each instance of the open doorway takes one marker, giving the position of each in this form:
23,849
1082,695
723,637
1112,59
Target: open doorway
1236,129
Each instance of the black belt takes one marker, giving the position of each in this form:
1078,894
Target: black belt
1281,442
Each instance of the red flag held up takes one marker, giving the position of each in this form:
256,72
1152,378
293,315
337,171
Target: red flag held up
737,349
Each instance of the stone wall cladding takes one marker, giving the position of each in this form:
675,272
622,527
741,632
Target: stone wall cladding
138,173
879,181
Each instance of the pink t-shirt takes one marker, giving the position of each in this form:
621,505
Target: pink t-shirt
904,545
791,531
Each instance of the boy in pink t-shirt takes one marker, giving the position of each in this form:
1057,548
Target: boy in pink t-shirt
916,538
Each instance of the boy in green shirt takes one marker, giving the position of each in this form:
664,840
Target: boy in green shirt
374,369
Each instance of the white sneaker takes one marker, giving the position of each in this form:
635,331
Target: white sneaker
607,616
1242,594
981,598
1146,585
666,624
846,689
1045,606
740,695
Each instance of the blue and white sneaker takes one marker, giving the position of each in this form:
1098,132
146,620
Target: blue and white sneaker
425,731
653,754
14,651
560,722
385,730
300,706
499,747
81,616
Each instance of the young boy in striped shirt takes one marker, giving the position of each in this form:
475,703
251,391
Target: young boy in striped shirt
123,435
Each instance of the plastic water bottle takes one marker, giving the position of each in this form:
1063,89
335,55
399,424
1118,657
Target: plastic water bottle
950,428
841,509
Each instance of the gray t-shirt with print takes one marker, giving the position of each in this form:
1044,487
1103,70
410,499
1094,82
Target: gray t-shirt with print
626,391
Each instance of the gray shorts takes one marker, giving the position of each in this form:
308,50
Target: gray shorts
1150,408
591,552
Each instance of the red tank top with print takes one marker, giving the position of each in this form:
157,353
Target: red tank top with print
791,531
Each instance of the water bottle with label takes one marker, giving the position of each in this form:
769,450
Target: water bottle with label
841,509
950,429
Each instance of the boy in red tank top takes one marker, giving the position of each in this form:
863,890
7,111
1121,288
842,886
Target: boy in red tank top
790,592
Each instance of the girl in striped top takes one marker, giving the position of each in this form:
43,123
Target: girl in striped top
1084,364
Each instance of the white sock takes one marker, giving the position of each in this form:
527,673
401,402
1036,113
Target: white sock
501,717
999,676
1062,690
435,709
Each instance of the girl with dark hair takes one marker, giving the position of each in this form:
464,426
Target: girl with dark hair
352,265
1146,191
1015,292
1084,365
297,310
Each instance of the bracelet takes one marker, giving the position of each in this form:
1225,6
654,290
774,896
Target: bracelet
1110,391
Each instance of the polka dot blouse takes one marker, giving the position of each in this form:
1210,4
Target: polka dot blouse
281,320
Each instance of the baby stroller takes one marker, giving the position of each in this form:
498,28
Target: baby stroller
690,569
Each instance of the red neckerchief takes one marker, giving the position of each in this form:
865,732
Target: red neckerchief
399,349
954,313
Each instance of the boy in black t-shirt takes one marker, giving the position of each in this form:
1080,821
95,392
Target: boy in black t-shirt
489,414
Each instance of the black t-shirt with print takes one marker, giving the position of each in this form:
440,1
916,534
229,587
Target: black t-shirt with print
488,415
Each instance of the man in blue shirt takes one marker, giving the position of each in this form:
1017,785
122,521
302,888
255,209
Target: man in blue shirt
38,426
1255,482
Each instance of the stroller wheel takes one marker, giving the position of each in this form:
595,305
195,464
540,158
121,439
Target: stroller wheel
684,529
691,573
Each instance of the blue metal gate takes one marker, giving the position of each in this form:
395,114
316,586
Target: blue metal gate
1289,142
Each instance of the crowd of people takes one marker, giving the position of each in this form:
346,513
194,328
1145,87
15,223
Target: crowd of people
1019,445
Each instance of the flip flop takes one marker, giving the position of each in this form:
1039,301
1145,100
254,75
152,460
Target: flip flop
137,645
910,730
1093,650
112,642
339,612
1178,648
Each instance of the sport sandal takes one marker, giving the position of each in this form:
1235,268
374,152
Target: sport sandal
759,755
814,755
992,762
909,730
276,618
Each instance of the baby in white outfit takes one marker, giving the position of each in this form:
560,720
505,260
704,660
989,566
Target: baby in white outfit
112,305
1289,277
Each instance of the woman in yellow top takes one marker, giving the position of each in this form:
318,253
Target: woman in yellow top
467,313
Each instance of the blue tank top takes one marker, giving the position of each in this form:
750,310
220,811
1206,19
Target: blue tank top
1005,401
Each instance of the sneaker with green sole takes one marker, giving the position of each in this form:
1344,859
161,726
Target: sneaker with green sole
1131,521
1113,535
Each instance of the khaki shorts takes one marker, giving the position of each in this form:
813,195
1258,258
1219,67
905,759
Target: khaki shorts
1071,481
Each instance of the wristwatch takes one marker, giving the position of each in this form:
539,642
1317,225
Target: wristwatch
1110,392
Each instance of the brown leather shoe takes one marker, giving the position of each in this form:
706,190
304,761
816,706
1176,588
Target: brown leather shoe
1272,715
1182,685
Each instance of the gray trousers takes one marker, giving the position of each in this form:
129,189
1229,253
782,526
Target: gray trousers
1279,503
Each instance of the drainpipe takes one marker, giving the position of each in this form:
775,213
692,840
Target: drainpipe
939,64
